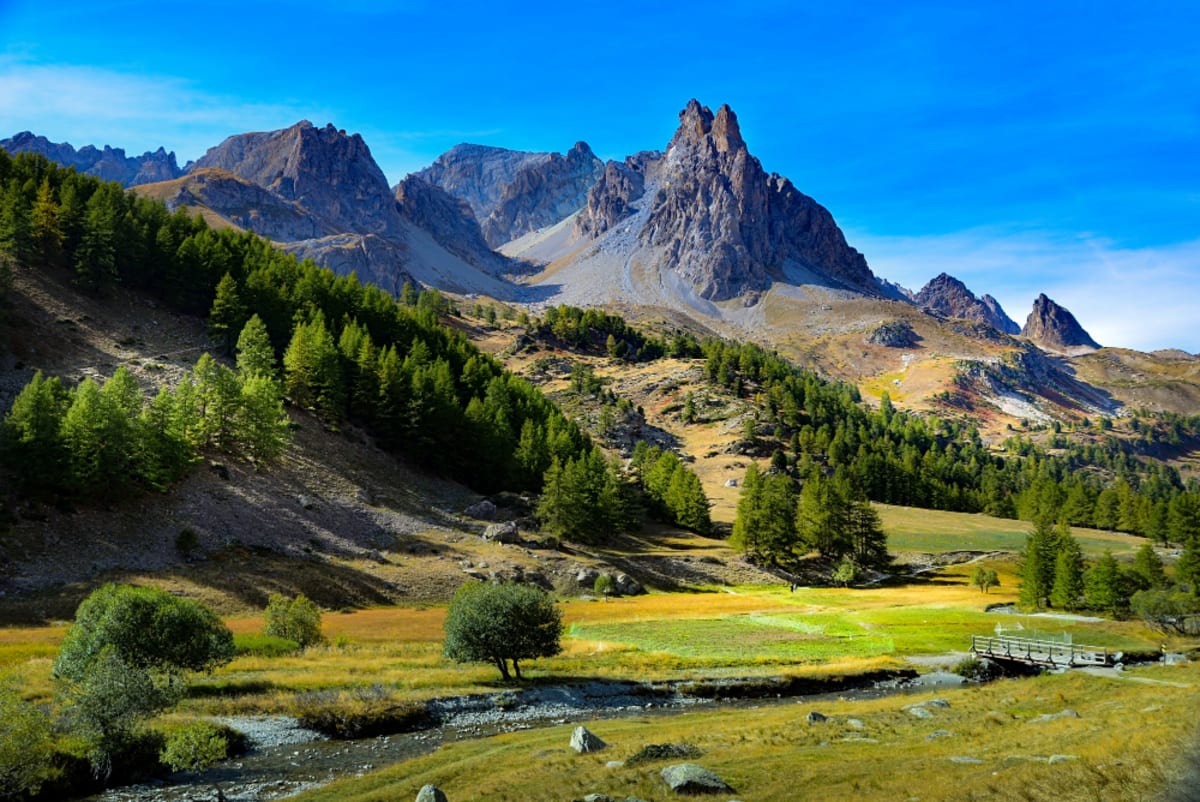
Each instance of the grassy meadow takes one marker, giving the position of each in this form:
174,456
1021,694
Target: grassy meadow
989,744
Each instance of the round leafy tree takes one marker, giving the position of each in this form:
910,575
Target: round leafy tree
499,623
297,619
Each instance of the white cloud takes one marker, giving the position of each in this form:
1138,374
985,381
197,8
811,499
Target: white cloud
91,106
1144,298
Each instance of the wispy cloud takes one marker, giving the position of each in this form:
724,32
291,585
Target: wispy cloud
1143,298
87,105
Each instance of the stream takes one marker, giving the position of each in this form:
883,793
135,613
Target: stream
285,759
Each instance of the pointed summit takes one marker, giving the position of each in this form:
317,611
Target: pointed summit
706,213
950,297
698,126
1054,328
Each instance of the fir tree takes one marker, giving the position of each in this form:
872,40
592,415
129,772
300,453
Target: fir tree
227,315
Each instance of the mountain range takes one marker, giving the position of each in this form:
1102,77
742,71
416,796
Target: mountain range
698,234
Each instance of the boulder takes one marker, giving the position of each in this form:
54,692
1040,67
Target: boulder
688,778
430,793
816,718
628,586
503,533
598,798
482,510
586,577
582,740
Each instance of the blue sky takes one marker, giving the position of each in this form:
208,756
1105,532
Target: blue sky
1023,147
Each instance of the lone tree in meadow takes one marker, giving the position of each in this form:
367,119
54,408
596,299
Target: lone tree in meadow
499,623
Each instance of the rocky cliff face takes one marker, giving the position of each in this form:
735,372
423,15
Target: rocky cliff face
449,221
720,221
478,174
612,196
1054,328
244,204
324,170
542,193
109,164
949,296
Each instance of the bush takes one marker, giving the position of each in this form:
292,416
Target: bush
604,585
297,619
195,746
186,541
26,747
973,668
260,645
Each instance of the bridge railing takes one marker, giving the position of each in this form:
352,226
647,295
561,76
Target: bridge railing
1028,650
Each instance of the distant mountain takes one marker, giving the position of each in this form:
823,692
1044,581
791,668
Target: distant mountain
700,223
542,193
318,193
110,164
324,170
478,174
1054,328
950,297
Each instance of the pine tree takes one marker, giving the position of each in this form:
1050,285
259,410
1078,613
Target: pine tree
313,371
262,424
1066,592
1104,586
747,523
46,233
32,442
1037,564
96,256
227,315
255,354
1148,569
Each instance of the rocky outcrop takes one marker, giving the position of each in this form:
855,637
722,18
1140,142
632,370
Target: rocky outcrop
721,222
244,204
612,196
449,220
584,740
326,171
109,164
478,174
893,334
1054,328
542,193
949,296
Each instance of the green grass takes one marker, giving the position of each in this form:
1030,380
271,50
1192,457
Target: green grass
912,529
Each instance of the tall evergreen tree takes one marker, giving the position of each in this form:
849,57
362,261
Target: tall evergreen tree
255,354
1066,592
227,315
32,444
1104,586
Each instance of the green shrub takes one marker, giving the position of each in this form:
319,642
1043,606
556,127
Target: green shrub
604,585
26,747
261,645
195,746
297,619
186,541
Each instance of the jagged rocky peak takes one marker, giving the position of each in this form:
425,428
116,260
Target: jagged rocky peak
541,193
449,220
1054,328
109,164
326,170
718,220
698,125
949,296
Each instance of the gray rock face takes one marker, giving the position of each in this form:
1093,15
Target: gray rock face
721,222
478,174
248,205
109,164
483,510
450,222
628,586
326,171
1053,327
542,193
582,740
949,296
688,778
430,793
612,196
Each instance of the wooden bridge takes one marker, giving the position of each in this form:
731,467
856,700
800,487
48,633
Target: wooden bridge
1040,652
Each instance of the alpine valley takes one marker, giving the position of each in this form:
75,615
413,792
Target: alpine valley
660,402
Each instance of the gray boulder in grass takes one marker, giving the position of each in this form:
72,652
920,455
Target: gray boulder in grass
688,778
430,793
584,741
